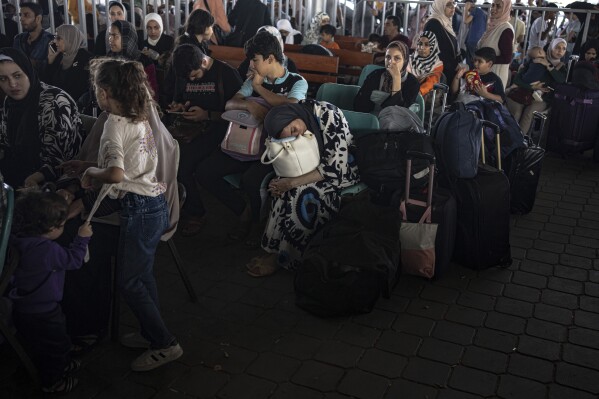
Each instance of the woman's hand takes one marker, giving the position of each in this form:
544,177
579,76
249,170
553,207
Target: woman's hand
395,71
195,114
33,180
278,186
51,53
538,85
75,167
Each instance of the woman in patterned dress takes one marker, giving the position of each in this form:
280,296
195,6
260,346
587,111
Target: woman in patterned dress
301,205
40,126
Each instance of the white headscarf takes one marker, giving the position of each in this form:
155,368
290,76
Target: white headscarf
285,25
156,18
438,13
554,61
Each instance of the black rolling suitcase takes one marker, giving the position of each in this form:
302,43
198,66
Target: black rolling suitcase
523,169
483,216
574,120
443,214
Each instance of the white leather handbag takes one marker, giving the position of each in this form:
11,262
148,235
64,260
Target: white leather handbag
292,156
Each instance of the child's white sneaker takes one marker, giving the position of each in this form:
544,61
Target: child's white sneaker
153,358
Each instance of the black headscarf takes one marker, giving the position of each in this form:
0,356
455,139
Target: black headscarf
22,127
129,49
282,115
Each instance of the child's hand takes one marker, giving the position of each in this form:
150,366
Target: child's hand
85,230
257,79
461,70
86,179
481,89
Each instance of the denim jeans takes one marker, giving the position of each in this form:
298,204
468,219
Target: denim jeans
143,220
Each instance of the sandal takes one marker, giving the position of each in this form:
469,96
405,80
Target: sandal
62,386
73,366
193,226
262,266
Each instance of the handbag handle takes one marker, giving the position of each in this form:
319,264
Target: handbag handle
263,157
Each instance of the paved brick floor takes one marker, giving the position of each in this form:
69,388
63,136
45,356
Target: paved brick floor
530,331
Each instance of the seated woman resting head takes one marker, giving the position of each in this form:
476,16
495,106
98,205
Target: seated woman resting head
301,205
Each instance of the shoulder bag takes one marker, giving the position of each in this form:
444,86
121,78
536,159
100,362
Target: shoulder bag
292,156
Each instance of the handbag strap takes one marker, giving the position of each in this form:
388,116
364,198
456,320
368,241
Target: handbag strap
263,157
103,192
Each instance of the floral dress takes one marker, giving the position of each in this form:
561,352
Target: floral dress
301,211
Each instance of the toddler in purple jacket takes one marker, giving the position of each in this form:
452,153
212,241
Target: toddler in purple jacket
39,219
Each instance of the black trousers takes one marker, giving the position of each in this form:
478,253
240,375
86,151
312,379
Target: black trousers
210,176
45,338
191,156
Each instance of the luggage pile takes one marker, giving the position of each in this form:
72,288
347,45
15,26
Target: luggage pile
433,199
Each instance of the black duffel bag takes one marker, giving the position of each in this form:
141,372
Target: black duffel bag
350,262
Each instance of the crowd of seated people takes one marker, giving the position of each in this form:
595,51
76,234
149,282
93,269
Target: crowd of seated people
42,141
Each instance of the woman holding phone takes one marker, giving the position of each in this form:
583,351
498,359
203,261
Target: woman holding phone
68,61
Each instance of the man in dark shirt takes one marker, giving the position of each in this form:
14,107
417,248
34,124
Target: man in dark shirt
34,41
392,31
203,86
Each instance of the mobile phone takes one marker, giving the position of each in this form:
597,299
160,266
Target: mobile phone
174,112
53,48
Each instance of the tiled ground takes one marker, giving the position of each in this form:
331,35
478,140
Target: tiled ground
530,331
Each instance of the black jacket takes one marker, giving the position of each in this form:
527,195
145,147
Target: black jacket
74,80
404,98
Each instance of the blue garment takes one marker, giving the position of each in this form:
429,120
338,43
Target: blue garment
290,85
37,51
477,26
39,278
143,220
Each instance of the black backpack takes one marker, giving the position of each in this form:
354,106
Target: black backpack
350,262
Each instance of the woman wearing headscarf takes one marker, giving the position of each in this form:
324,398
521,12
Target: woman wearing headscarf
555,72
123,43
116,12
158,46
39,124
439,23
301,205
425,64
392,85
500,37
290,35
288,63
312,36
68,67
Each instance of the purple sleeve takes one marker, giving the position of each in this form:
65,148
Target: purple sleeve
71,258
505,47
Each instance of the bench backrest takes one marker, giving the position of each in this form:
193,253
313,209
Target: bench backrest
349,42
314,68
348,59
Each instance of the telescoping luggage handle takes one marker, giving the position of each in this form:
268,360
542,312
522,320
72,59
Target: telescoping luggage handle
497,142
445,89
543,118
426,216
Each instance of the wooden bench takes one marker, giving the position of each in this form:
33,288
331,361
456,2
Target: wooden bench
349,42
314,68
233,56
350,62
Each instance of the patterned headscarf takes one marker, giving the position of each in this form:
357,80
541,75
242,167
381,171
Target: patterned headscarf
494,23
156,18
554,61
405,54
313,34
73,40
438,13
129,49
422,66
